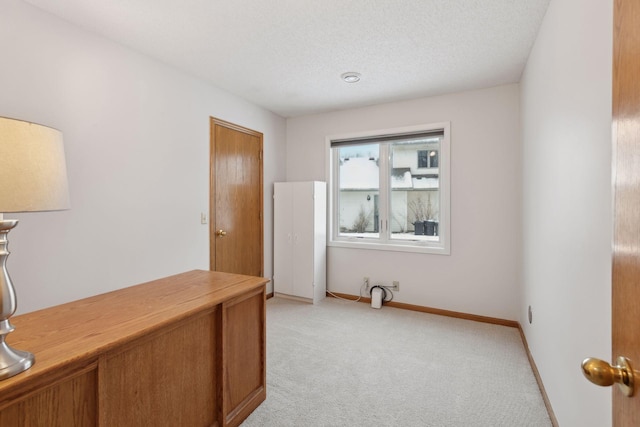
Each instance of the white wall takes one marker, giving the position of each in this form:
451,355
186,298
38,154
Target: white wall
482,274
566,131
137,133
136,136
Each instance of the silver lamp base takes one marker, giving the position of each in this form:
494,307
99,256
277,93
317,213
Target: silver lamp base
12,361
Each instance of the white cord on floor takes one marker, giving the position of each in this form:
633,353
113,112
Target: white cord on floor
347,299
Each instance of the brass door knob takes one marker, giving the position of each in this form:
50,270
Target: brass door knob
602,373
221,233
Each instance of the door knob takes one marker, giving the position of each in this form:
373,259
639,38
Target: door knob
221,233
601,373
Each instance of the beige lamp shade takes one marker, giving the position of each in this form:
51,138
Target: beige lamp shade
33,173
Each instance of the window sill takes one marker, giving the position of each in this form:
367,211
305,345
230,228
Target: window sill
390,247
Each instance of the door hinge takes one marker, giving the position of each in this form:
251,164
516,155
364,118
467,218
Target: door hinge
260,155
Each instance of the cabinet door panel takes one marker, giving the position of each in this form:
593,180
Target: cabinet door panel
320,241
243,348
71,403
283,238
167,379
303,241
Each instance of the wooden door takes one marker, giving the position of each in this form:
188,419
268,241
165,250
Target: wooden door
236,198
626,169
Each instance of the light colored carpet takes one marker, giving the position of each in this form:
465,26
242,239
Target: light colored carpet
341,363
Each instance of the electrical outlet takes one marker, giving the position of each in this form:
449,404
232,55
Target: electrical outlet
366,283
396,286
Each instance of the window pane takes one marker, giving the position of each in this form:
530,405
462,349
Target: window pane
433,158
423,158
415,190
359,182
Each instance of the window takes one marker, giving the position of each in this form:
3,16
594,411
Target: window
389,189
427,158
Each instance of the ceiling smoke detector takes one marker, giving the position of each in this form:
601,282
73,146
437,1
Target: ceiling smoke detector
351,77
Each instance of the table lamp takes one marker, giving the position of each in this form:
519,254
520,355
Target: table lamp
33,178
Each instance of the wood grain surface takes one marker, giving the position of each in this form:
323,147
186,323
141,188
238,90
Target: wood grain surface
148,353
626,170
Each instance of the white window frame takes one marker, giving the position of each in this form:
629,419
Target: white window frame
384,242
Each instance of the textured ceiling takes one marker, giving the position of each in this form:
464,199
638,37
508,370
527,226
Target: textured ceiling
288,55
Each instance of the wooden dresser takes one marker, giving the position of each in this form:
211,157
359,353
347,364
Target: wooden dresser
183,351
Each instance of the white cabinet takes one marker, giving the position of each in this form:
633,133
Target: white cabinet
300,239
